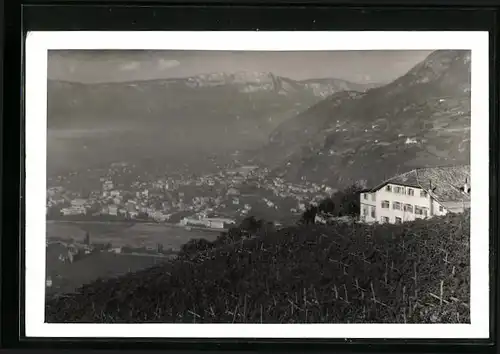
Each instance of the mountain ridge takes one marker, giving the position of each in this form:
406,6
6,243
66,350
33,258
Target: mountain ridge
419,119
225,75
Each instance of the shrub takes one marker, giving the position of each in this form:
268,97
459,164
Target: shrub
342,203
194,246
251,224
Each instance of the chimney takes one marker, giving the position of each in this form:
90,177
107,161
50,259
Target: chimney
466,187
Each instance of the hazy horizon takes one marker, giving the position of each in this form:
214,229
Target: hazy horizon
107,66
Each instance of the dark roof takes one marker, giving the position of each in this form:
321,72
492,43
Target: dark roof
443,183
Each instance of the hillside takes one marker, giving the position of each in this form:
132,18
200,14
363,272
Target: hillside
66,277
420,119
242,100
214,112
416,272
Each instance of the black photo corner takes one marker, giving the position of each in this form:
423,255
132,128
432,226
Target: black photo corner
237,221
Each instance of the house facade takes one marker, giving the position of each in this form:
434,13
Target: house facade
417,194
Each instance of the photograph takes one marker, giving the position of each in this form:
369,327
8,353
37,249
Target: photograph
224,185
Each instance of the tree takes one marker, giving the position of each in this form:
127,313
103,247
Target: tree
194,246
235,234
348,200
87,239
250,224
326,206
222,239
342,203
268,227
309,216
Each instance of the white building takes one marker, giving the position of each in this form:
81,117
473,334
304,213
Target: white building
193,222
51,192
107,185
219,223
417,194
113,210
115,193
233,191
78,203
73,211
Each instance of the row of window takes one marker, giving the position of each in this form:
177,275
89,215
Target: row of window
403,190
397,190
385,219
407,207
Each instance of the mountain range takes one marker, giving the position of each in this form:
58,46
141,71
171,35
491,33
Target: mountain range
216,98
216,113
421,119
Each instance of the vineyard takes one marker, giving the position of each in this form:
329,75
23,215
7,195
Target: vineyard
416,272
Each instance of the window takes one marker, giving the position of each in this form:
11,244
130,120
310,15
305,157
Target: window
398,220
385,204
365,196
423,194
421,211
384,219
365,210
411,192
373,197
396,205
408,208
399,190
373,212
441,209
388,189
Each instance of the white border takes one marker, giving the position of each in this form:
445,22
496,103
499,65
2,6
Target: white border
37,44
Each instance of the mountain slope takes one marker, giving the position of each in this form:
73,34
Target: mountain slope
302,274
420,119
212,112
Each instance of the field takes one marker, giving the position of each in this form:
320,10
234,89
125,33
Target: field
416,272
66,277
125,233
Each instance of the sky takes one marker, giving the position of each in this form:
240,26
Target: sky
92,66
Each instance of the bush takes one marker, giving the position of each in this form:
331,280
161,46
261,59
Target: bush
194,246
416,272
251,224
342,203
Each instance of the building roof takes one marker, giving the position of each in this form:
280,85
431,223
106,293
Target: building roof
224,220
79,201
443,183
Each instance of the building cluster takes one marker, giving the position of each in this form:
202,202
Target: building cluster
223,194
212,223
